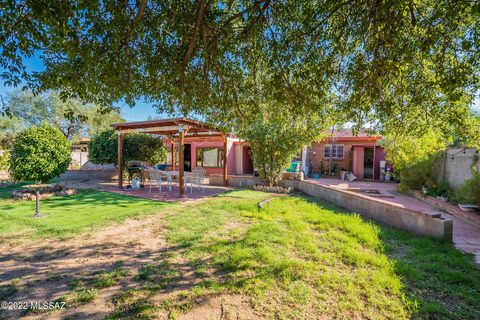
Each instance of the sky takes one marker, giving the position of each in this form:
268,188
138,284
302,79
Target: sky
141,111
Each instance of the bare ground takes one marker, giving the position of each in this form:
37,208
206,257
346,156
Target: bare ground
44,271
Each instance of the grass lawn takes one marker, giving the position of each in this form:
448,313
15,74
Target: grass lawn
301,258
66,216
295,258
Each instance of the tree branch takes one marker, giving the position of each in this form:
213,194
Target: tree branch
191,45
136,20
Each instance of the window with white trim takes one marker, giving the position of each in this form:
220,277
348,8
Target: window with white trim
210,157
335,151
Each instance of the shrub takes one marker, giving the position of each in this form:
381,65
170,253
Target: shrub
440,190
4,159
469,192
40,154
414,158
103,148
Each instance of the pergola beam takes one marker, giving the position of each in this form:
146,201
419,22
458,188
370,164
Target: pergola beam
151,129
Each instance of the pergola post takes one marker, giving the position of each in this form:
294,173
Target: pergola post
225,176
172,150
181,178
120,159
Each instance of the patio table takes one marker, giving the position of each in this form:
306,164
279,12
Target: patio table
171,174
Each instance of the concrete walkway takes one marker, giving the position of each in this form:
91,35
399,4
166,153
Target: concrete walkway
466,236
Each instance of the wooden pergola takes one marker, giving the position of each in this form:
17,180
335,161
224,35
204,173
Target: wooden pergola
176,130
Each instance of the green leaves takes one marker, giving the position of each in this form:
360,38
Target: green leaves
404,66
103,148
40,154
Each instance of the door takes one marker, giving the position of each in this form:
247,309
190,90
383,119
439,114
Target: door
368,163
247,161
187,157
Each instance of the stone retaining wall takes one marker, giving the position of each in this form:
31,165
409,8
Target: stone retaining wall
103,175
388,213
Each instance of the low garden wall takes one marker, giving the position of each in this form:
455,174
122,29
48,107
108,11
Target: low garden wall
103,175
442,205
238,181
388,213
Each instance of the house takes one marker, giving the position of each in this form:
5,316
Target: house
208,153
359,154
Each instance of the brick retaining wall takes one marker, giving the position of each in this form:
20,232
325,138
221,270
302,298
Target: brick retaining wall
391,214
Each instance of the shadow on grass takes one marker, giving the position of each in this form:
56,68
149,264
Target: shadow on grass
229,246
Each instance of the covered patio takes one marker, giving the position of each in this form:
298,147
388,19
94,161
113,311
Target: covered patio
175,130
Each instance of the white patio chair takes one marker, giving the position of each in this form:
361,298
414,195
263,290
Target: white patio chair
198,178
168,178
155,178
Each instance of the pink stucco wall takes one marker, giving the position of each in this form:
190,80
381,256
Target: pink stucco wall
217,143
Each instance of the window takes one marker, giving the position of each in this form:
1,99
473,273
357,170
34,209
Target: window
334,151
326,151
210,157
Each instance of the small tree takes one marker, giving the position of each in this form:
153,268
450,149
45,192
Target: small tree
136,146
275,138
414,158
39,153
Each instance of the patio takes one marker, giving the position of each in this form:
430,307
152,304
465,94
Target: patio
175,130
164,196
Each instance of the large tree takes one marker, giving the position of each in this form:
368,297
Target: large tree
392,63
73,117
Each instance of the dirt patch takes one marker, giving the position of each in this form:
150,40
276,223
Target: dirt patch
87,267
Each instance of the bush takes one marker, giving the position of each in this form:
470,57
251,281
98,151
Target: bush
469,192
103,148
40,154
441,190
4,159
414,158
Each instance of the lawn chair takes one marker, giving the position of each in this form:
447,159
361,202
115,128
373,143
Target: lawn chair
154,178
198,178
168,178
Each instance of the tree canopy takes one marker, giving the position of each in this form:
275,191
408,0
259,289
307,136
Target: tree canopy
73,117
39,153
136,146
403,66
